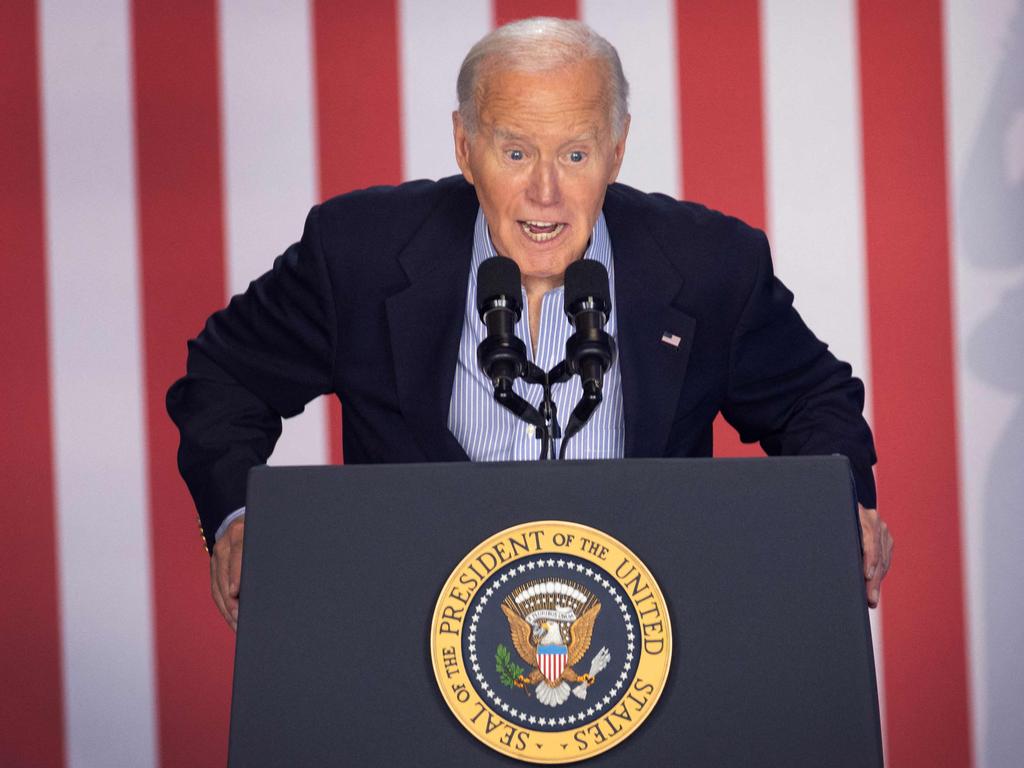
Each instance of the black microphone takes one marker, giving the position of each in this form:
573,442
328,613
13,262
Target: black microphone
502,355
590,351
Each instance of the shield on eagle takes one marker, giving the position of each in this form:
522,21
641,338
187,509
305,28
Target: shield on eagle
551,661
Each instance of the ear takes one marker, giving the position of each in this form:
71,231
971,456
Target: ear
461,146
619,151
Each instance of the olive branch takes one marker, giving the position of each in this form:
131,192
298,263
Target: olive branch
507,669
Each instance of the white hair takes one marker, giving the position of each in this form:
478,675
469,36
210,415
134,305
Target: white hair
540,44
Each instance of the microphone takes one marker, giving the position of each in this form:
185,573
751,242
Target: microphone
590,351
501,355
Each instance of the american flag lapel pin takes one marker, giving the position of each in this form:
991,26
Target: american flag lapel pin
671,339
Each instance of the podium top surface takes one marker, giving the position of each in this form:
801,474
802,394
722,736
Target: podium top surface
758,561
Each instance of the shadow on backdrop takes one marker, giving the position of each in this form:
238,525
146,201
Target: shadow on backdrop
991,212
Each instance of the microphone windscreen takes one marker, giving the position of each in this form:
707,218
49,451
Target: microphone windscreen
587,279
498,277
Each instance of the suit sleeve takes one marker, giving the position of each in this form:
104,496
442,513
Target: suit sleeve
786,390
261,359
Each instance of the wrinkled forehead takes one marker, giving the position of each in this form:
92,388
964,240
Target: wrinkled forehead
573,101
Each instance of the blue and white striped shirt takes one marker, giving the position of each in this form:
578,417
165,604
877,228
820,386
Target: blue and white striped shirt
489,432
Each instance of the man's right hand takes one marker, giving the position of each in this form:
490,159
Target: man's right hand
226,571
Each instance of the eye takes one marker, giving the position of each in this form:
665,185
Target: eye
576,156
515,154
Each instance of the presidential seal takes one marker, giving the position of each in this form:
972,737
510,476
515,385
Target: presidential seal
551,642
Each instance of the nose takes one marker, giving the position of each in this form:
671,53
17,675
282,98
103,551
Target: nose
544,188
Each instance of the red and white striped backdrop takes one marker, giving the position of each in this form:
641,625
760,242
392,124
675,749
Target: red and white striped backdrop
155,156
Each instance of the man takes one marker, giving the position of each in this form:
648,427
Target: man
376,304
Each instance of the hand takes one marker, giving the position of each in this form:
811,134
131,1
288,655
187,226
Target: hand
878,545
226,571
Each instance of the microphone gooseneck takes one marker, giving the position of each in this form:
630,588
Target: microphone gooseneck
590,350
502,354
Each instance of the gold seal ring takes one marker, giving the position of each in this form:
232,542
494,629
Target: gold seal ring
551,642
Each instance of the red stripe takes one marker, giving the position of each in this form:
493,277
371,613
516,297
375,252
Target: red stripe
912,372
358,118
183,281
31,705
720,121
512,10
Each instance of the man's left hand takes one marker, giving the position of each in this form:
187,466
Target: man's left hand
877,544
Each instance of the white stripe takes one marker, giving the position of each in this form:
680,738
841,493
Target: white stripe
96,364
269,165
643,31
435,37
814,184
985,164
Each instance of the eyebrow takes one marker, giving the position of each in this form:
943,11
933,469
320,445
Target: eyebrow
504,133
507,135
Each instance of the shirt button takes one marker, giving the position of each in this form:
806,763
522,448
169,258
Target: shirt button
529,430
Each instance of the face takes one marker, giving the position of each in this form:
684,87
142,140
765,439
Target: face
541,159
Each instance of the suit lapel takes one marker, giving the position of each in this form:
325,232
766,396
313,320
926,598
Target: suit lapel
654,333
425,322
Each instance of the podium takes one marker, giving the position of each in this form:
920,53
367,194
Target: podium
758,561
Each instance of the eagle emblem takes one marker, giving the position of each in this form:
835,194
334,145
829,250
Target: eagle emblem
551,623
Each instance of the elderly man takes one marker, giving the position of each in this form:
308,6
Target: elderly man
376,305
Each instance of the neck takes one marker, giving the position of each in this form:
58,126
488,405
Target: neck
536,287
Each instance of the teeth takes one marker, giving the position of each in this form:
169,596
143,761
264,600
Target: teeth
541,237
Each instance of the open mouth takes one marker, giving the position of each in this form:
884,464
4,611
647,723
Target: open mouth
541,231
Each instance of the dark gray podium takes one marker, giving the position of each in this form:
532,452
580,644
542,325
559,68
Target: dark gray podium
758,560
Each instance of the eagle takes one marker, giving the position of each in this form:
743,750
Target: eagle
527,637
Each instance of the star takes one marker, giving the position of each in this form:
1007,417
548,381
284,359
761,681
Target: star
497,700
472,657
514,712
472,648
624,675
504,707
476,667
572,718
551,563
483,600
495,585
561,563
571,566
542,721
618,598
522,569
561,721
485,686
490,591
532,720
630,636
589,571
504,577
530,565
607,699
590,710
630,647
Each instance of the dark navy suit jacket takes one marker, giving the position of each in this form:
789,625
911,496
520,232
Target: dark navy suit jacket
369,305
